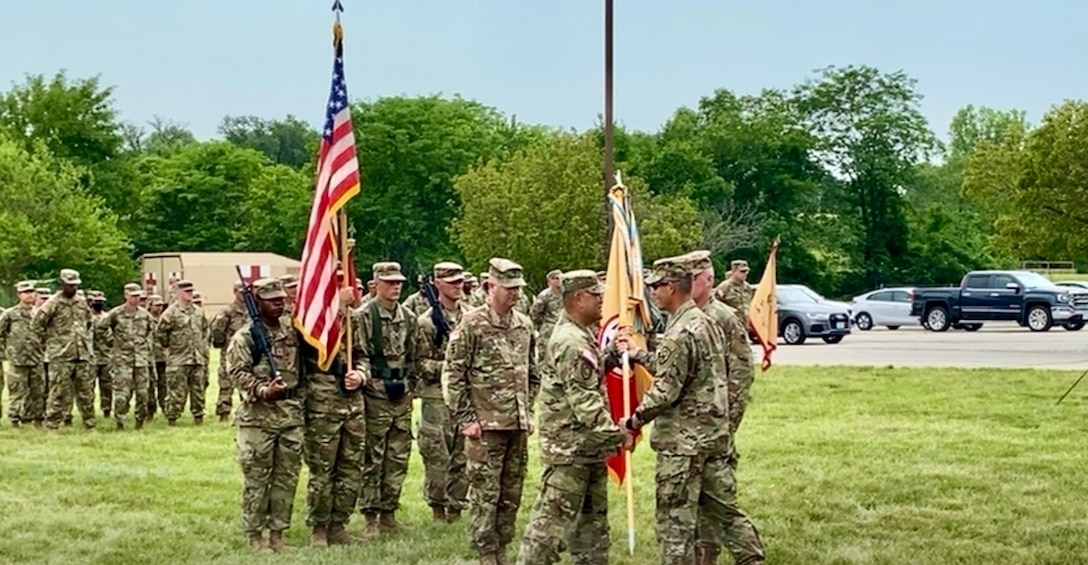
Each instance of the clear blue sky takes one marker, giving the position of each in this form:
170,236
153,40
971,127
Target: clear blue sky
194,61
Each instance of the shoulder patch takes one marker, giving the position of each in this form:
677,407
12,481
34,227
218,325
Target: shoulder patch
590,357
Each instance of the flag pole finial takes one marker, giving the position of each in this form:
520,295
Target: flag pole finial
337,31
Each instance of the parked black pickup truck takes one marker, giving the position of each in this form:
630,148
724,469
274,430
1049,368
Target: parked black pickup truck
1027,298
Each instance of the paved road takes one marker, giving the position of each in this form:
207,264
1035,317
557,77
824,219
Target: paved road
995,345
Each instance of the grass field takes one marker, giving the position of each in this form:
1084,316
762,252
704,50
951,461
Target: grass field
839,465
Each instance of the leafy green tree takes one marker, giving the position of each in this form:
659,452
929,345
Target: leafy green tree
290,141
278,205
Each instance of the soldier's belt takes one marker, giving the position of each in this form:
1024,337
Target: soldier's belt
387,374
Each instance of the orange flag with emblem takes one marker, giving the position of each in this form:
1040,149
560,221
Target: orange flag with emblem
763,311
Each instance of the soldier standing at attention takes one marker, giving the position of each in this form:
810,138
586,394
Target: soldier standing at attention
156,392
547,309
689,404
26,383
440,442
226,322
734,292
490,382
386,337
182,335
198,301
576,436
335,440
65,323
133,332
103,344
290,286
269,420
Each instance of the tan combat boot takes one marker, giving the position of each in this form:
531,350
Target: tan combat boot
390,524
438,514
372,529
337,535
276,543
257,544
318,537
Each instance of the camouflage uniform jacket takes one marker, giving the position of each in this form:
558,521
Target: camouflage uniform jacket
728,323
688,400
252,378
740,352
321,389
477,298
545,313
524,303
416,303
22,343
576,425
182,332
737,296
431,358
65,324
133,336
157,350
490,373
398,329
103,340
226,323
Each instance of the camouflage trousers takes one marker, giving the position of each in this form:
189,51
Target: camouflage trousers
572,509
156,389
496,473
334,451
103,375
26,394
443,450
388,447
270,461
225,398
184,382
740,385
697,500
68,379
129,381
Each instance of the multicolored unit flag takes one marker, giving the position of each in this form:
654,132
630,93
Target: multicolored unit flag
337,180
626,304
763,311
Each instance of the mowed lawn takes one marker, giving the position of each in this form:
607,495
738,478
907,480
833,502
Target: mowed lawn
839,465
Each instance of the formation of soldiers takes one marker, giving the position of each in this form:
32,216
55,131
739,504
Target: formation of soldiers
510,362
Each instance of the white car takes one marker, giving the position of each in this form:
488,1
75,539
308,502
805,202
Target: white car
889,307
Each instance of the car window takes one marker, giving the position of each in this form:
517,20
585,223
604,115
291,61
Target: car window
978,281
794,296
900,296
884,296
999,281
1032,280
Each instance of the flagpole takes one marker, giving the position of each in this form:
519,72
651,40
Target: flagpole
342,216
607,123
630,488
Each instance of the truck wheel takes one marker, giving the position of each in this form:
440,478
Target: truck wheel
1074,326
937,319
972,327
864,321
832,338
1039,319
793,332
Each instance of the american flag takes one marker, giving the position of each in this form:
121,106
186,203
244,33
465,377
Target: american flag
318,304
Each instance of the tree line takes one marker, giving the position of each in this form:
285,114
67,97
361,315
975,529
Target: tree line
843,167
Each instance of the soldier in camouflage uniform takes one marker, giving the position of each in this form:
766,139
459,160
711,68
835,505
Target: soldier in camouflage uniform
65,322
41,294
269,419
490,382
479,295
290,286
198,301
735,293
547,308
182,333
689,404
389,358
103,344
440,442
576,436
133,332
416,303
156,392
23,348
225,323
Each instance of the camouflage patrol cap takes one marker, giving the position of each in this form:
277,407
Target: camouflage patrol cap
739,264
602,275
96,295
197,297
184,284
239,285
485,276
155,299
669,269
506,273
583,279
24,286
449,272
554,274
388,271
471,279
289,281
268,289
698,261
81,294
133,289
70,276
43,291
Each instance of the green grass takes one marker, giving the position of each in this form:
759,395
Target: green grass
1058,277
839,465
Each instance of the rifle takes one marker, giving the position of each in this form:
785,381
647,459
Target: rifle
442,327
262,343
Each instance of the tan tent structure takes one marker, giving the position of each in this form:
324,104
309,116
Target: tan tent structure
212,273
